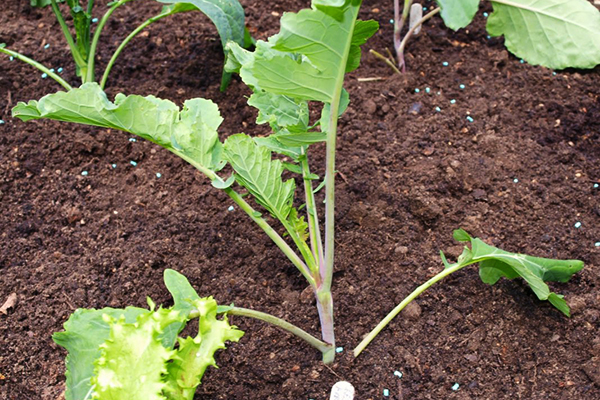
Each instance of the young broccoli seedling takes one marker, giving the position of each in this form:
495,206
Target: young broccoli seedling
493,265
227,15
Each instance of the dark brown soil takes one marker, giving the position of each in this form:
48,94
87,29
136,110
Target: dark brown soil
520,176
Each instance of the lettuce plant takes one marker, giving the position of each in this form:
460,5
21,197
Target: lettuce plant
557,34
137,354
305,62
227,15
494,264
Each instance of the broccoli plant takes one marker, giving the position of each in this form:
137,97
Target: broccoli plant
494,264
227,15
305,62
554,33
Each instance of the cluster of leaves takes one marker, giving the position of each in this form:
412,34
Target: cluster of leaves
554,33
227,16
306,61
136,354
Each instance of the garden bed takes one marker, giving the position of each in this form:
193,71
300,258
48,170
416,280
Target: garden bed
520,176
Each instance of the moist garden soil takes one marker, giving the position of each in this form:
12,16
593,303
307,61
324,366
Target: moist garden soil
520,176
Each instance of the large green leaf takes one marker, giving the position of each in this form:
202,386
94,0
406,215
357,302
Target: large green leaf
227,15
280,112
458,13
495,263
196,354
308,58
133,359
553,33
190,133
257,172
85,331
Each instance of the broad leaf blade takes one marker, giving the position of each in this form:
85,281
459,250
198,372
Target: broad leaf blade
194,355
553,33
257,172
227,15
280,112
307,59
458,13
495,263
133,359
191,132
85,331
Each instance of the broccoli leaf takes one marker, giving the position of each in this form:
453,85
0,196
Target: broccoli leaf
133,359
280,111
308,58
190,133
227,15
194,355
458,13
495,264
553,33
85,331
257,172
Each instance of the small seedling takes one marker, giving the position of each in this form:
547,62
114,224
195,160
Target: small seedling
227,15
493,265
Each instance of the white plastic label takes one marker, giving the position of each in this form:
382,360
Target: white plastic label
342,391
416,13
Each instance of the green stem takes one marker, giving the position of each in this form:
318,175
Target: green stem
271,319
311,209
124,43
278,240
97,33
385,60
81,63
400,49
90,7
37,65
384,322
255,216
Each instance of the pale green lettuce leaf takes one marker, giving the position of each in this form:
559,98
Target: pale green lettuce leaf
196,354
458,13
133,359
190,133
553,33
85,331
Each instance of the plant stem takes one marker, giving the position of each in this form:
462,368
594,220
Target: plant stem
81,63
311,209
400,49
275,237
385,60
126,41
92,55
37,65
271,319
399,24
365,342
90,7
